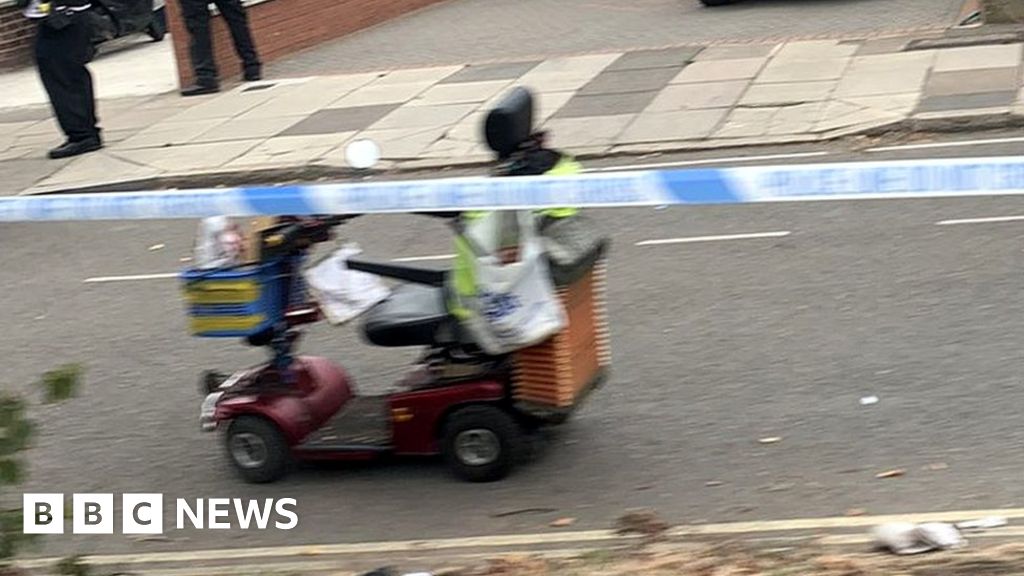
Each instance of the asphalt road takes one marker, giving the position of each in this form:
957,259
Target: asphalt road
461,31
717,344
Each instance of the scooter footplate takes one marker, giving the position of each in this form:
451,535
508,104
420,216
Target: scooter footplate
363,423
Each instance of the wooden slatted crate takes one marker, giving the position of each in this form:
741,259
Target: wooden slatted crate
554,374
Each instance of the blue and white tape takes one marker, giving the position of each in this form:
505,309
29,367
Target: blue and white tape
864,180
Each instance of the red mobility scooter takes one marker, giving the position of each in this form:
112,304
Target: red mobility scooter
474,409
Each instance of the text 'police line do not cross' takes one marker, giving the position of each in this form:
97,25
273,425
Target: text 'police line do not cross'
144,514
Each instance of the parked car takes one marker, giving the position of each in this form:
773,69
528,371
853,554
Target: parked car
112,19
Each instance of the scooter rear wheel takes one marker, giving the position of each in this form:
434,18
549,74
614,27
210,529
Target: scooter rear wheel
257,450
482,443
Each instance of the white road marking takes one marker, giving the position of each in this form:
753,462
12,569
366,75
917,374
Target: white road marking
695,239
130,278
989,220
424,258
954,144
705,161
752,527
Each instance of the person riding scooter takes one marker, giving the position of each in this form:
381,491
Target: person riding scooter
569,241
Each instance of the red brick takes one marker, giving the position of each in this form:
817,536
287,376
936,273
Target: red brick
16,37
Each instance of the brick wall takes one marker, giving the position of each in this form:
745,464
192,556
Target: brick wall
16,37
283,27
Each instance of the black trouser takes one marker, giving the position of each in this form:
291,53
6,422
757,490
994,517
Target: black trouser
61,56
197,20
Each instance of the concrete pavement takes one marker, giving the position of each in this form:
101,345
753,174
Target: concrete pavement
594,104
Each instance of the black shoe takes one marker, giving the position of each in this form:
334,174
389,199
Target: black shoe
200,89
253,74
74,148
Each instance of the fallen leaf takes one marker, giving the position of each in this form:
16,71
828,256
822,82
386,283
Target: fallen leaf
891,473
563,522
644,522
156,247
856,512
771,440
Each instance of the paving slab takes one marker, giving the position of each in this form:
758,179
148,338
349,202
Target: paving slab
490,72
606,104
720,70
9,129
24,114
431,75
813,50
796,119
677,125
312,97
424,116
735,52
461,93
978,57
746,123
886,74
23,173
167,134
882,46
698,96
596,131
786,94
565,74
800,71
290,150
100,167
626,81
135,119
404,143
228,104
984,100
649,59
862,117
335,120
972,81
377,94
247,129
898,103
190,158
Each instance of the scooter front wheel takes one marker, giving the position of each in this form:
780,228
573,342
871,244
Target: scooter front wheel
257,450
482,443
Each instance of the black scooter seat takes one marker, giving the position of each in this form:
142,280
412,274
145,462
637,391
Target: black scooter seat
413,315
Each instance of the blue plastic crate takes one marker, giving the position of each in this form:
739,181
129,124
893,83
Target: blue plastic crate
235,302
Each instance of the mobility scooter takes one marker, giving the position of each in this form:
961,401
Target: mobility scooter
474,409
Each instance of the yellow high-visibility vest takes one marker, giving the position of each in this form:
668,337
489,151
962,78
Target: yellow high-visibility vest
463,279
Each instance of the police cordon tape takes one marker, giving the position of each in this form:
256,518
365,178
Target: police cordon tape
751,184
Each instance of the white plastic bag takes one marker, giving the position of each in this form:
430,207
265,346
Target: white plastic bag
344,294
515,305
218,244
905,538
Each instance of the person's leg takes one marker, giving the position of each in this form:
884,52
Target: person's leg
238,23
61,56
197,21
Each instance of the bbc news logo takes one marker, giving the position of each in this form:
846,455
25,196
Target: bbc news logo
144,513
